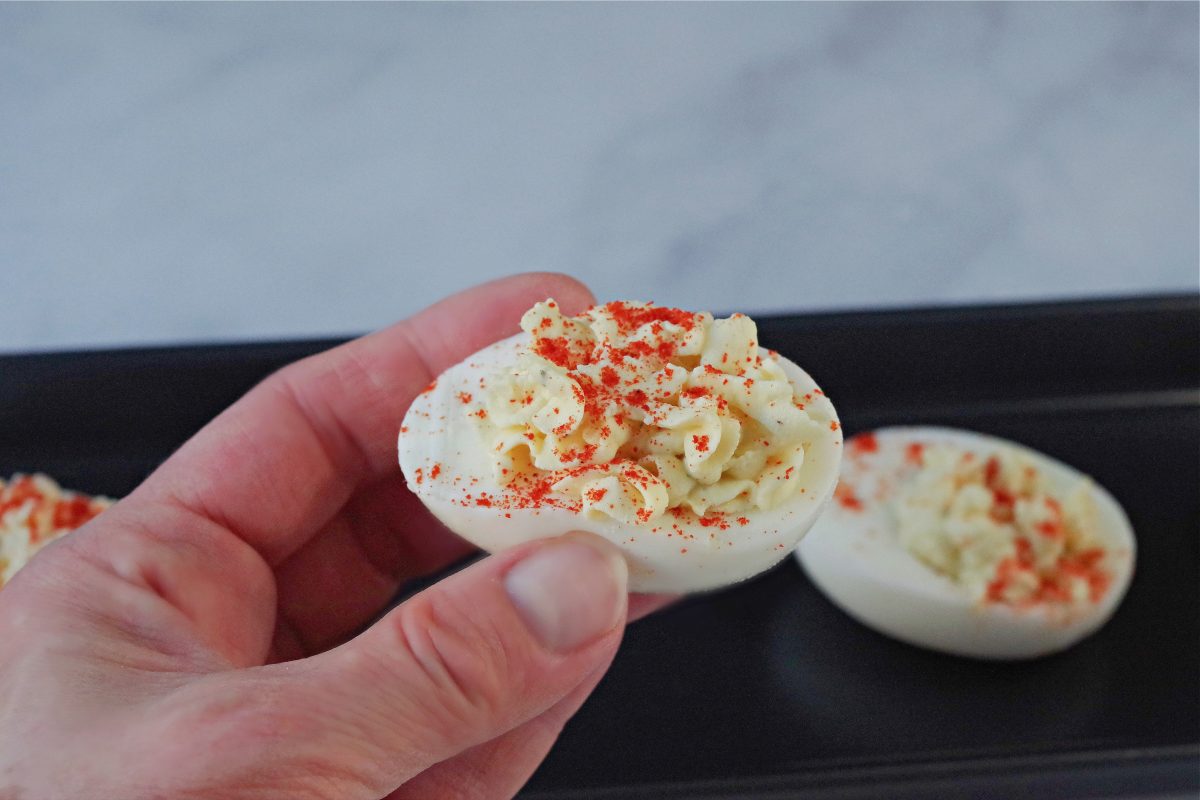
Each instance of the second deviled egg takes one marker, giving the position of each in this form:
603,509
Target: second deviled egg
969,544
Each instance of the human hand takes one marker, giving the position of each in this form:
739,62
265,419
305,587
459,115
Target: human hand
192,640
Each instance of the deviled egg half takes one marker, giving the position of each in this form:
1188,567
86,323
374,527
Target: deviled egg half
969,544
34,511
672,434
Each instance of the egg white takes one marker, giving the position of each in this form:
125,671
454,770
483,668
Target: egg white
855,558
439,429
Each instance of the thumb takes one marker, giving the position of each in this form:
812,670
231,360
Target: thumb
461,663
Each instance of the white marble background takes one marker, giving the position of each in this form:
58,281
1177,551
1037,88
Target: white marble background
212,172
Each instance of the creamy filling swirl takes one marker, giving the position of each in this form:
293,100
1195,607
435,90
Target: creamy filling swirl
635,410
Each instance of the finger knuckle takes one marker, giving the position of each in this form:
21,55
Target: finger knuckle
460,656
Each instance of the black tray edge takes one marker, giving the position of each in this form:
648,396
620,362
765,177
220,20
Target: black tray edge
1158,772
1169,301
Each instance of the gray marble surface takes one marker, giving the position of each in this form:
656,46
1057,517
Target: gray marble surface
203,172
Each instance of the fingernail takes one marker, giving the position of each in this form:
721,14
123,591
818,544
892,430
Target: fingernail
570,591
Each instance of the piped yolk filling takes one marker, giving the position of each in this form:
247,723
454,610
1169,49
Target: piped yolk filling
992,525
634,411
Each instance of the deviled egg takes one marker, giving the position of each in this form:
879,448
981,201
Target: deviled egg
969,544
672,434
34,511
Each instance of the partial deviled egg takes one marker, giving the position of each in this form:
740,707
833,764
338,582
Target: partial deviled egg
34,511
969,544
673,435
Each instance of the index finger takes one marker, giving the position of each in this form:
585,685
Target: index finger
279,463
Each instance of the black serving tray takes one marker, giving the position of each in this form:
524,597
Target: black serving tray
766,690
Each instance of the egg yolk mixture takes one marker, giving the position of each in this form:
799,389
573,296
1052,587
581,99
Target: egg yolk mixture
34,511
636,411
992,525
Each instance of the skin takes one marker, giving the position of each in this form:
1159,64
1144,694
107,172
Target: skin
195,639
